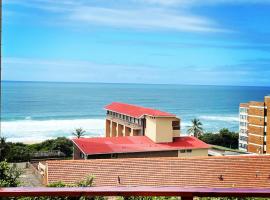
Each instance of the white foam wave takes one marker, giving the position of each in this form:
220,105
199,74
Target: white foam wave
38,130
220,118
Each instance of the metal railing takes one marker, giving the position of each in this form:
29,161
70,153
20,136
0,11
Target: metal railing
185,193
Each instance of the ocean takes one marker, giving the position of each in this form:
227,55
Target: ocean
34,111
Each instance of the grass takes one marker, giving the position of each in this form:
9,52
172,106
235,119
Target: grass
226,149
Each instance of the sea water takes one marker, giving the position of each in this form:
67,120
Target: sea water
34,111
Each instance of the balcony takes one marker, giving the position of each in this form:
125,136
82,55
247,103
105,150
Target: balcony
124,122
184,193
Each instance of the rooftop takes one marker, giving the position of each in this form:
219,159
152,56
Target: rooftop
128,144
136,111
217,171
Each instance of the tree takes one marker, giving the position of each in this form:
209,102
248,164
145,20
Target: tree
79,132
4,149
9,175
64,145
18,152
224,138
196,128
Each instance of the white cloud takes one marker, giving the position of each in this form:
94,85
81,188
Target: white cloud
140,17
144,19
200,2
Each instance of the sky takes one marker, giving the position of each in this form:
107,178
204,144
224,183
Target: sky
209,42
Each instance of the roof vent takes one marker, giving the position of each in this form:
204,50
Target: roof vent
220,178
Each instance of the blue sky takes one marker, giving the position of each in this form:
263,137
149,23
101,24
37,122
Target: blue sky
216,42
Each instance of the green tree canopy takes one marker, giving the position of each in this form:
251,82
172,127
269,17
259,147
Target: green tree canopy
223,138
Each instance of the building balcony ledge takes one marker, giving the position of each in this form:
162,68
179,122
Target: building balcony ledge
186,193
125,123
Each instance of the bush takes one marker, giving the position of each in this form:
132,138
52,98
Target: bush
9,175
19,152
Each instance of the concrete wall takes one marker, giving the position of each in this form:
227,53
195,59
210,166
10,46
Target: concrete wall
159,129
148,154
194,152
76,153
164,129
108,128
174,153
151,128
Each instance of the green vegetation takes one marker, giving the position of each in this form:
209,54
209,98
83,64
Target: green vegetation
9,175
224,138
79,132
19,152
196,128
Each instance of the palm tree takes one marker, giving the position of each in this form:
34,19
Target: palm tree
79,132
196,129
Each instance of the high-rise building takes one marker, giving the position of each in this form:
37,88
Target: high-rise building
254,134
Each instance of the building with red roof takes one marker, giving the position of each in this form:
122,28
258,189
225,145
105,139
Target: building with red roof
135,131
132,120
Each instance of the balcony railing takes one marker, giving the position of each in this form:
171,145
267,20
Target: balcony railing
185,193
125,122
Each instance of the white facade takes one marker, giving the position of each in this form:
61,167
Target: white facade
243,128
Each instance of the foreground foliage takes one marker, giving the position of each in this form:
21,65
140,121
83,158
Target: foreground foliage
9,175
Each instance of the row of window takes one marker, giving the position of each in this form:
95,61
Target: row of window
243,123
243,138
243,110
125,117
243,131
241,145
243,117
184,151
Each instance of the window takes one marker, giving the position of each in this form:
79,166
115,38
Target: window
243,138
189,150
81,155
114,155
243,124
244,110
182,151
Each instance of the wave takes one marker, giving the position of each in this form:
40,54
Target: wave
39,130
220,118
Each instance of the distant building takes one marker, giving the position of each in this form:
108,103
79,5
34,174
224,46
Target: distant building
130,120
134,131
254,126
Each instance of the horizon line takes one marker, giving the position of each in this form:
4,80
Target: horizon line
86,82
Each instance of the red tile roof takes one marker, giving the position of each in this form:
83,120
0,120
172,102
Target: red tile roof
223,171
136,111
105,145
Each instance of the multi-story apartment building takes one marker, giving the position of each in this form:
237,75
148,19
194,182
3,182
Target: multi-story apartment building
131,120
254,134
134,131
